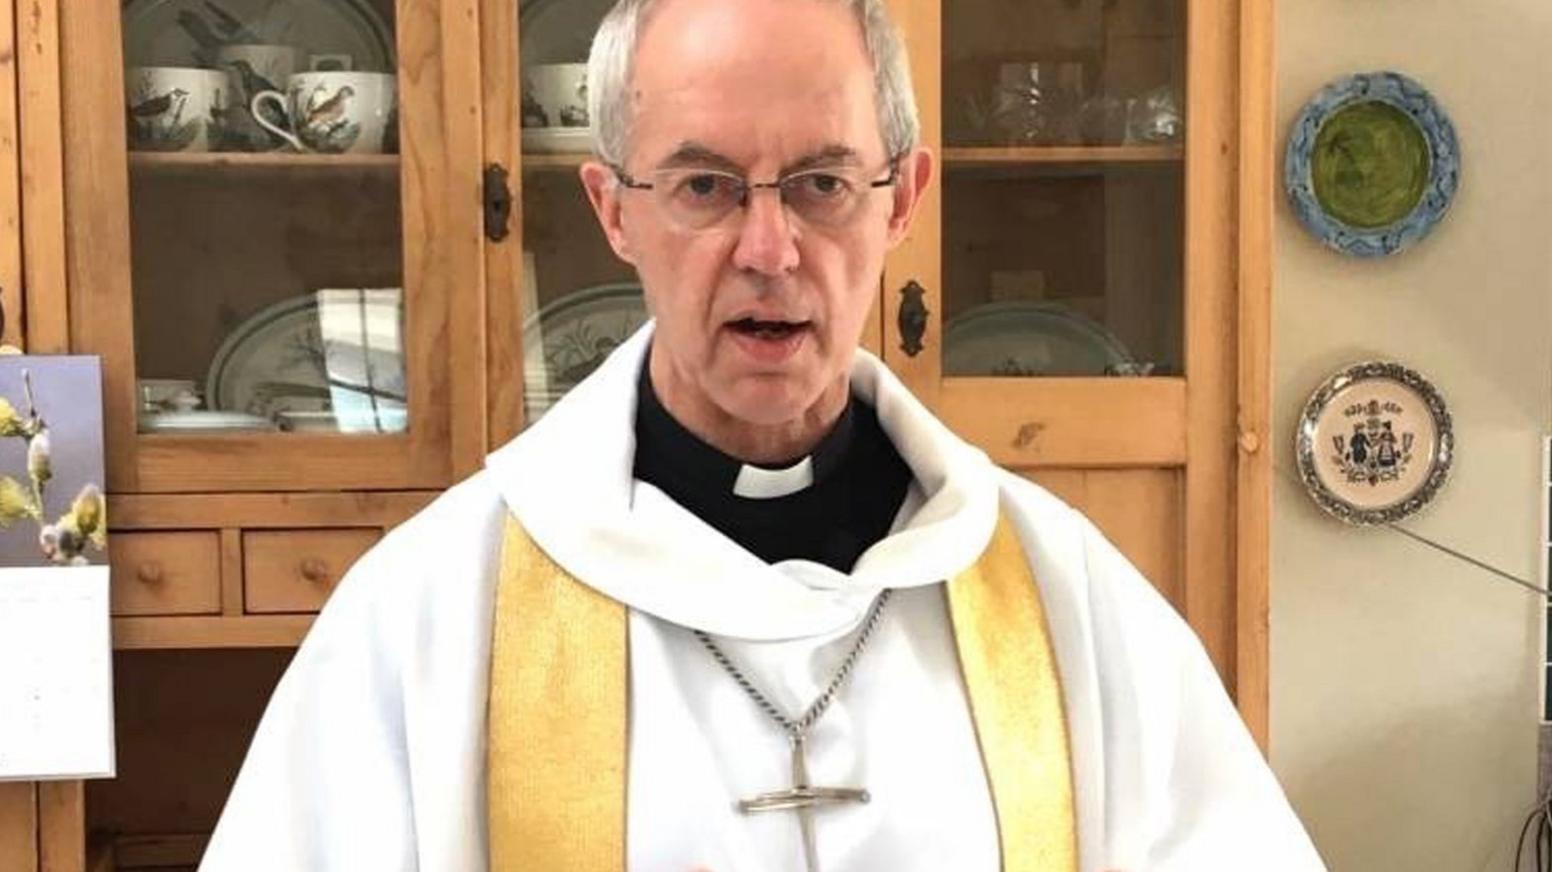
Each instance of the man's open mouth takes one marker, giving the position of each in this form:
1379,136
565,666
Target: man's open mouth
771,330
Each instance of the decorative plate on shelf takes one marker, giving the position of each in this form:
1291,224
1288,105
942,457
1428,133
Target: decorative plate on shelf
1375,443
201,421
334,351
570,337
1372,164
298,421
1030,339
186,33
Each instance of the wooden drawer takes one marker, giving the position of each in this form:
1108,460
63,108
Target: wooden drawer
296,570
162,573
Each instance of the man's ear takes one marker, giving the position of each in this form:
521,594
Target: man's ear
603,191
911,181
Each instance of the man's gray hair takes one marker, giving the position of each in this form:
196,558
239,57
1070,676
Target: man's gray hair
610,63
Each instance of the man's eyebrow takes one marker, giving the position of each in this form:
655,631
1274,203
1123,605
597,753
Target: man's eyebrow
828,156
694,155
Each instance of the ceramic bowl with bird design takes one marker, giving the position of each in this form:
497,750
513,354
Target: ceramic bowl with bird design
332,112
174,108
252,69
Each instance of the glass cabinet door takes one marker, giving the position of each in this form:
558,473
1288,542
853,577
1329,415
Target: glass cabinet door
264,216
578,299
1040,304
1056,245
1062,125
1085,295
285,322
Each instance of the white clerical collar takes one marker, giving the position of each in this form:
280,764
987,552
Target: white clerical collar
666,449
759,483
569,480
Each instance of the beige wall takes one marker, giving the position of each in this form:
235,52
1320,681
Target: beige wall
1404,684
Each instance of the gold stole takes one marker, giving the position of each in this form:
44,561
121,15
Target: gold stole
557,746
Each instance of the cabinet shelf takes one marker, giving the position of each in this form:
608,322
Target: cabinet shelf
1007,156
551,161
267,162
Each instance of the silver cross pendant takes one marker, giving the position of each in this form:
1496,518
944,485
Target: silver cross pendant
803,798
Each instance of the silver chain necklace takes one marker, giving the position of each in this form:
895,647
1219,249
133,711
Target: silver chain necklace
802,797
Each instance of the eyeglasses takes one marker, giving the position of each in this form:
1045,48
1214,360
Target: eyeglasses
699,199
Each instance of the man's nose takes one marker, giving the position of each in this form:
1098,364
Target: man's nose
767,241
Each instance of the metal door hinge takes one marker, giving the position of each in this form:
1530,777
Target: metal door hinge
912,318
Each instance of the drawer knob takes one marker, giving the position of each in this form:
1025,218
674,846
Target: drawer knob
149,572
315,570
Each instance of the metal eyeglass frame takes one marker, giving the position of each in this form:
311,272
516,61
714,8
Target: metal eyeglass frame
635,184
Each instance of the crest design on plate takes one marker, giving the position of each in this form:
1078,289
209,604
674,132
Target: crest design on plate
1375,443
1376,451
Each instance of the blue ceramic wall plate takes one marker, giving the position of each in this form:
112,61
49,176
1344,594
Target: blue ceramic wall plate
1372,164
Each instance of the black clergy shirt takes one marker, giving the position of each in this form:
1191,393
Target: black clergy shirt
859,482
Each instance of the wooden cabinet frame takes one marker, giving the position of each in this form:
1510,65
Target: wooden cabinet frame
38,822
1202,436
62,68
443,277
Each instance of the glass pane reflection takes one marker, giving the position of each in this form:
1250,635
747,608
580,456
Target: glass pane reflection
265,215
579,300
1063,187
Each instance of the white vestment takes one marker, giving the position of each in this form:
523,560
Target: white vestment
371,754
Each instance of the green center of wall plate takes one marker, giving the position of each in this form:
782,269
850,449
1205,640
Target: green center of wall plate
1370,165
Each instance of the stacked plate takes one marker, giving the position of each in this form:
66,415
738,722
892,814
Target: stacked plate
1031,339
327,422
201,421
570,337
329,360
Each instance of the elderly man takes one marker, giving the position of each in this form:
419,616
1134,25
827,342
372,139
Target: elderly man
739,602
